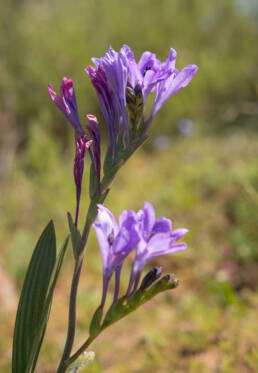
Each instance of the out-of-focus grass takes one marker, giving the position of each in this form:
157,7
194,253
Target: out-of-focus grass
42,41
207,184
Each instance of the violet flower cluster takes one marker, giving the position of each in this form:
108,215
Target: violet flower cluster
119,81
122,86
150,237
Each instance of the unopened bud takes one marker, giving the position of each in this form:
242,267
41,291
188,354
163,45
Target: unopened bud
169,281
135,106
138,91
130,95
151,277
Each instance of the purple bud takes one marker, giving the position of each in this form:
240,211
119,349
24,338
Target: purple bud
151,277
66,103
93,129
82,144
106,100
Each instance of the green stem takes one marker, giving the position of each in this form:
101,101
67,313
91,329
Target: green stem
91,216
83,347
72,303
80,350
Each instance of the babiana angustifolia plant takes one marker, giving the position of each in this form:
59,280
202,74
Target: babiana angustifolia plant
122,86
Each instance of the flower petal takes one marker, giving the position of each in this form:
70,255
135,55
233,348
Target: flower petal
159,245
171,60
162,225
128,235
134,74
107,221
103,245
125,215
147,219
148,61
177,234
173,85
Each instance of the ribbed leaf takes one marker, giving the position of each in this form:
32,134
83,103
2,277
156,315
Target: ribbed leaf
45,315
32,310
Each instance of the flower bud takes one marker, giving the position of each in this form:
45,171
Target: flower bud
135,106
151,277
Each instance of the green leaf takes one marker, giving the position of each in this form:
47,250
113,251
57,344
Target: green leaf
58,266
75,235
31,309
95,323
115,312
45,315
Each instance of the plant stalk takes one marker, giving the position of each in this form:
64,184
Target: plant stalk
72,303
91,216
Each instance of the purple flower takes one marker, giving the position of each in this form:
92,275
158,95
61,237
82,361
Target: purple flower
105,96
156,239
66,102
115,66
116,241
149,71
82,144
109,79
150,236
159,77
169,87
148,75
93,129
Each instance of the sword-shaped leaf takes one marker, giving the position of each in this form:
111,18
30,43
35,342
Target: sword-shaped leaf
35,301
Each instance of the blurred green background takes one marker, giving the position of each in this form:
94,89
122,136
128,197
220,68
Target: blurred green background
199,168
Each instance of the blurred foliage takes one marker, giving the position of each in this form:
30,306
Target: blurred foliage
203,174
42,41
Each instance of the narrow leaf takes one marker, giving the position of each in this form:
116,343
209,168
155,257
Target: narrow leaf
45,315
31,305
